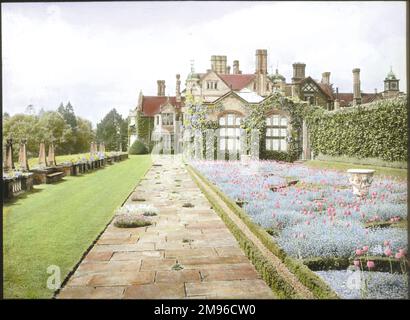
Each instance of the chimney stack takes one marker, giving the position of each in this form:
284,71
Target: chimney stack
261,61
326,78
298,71
218,64
161,88
178,89
236,67
337,102
357,97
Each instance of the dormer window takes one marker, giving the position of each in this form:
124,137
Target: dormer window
212,85
167,119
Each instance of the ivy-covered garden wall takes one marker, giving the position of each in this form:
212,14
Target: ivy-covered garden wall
377,130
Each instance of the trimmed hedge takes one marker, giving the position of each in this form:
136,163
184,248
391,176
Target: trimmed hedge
138,148
381,263
377,130
309,279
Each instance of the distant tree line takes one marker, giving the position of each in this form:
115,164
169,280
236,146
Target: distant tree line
71,134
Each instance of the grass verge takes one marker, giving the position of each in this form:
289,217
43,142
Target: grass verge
400,174
55,224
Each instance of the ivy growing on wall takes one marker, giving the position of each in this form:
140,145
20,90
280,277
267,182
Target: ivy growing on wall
377,130
256,119
144,128
196,117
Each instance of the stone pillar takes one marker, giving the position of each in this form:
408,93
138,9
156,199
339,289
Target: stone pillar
306,154
23,161
357,96
51,159
337,101
9,164
42,155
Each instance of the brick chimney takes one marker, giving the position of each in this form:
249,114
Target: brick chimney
261,61
236,67
298,71
326,78
357,96
161,88
178,89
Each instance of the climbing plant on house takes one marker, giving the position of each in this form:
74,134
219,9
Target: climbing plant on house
144,128
196,117
256,119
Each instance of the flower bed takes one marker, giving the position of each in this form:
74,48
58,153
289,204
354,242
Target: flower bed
318,217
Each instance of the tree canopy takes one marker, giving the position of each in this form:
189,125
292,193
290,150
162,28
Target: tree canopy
113,130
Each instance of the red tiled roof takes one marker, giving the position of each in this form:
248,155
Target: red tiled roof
346,98
237,81
151,104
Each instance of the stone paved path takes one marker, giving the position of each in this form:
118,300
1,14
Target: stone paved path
138,263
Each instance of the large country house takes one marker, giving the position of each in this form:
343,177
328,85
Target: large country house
232,90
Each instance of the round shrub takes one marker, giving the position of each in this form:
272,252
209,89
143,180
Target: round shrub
138,148
131,221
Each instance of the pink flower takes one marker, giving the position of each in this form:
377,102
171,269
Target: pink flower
365,248
402,252
370,264
386,243
388,252
356,263
398,255
358,252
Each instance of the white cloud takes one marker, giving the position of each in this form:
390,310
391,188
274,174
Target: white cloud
61,52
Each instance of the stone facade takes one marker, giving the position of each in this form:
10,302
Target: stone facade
234,91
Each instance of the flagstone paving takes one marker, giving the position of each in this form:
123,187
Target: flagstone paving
143,263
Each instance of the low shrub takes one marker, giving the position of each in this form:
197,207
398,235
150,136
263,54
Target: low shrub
138,148
131,221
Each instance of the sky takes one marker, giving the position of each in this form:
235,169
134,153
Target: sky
100,55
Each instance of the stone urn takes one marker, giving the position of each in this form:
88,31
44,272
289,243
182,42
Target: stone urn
360,179
245,159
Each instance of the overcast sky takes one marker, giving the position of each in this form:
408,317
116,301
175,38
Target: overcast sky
100,55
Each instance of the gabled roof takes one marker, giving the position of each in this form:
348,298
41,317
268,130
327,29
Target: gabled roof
227,95
325,89
250,96
237,81
151,104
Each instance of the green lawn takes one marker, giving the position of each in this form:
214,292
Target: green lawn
400,174
55,224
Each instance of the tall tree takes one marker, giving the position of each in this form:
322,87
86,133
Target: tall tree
85,135
113,131
22,126
68,114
